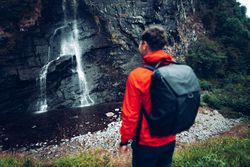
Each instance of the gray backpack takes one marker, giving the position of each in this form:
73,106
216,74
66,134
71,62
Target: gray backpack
175,96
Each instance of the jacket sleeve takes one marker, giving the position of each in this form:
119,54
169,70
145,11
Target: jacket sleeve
130,109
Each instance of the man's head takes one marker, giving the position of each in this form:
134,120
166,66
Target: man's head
152,39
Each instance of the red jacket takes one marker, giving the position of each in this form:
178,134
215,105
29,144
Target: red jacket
138,93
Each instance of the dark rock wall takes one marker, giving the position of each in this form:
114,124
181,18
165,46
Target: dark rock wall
109,36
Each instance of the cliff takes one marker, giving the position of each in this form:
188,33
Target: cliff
32,34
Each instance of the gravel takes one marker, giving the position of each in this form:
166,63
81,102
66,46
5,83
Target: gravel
208,123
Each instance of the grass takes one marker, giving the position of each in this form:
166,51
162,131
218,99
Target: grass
12,161
96,158
215,152
90,158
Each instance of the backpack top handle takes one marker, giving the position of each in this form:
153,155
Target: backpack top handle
165,61
159,64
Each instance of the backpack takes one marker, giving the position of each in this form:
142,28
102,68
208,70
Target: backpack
175,96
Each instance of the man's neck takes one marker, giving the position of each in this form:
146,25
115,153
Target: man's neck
149,51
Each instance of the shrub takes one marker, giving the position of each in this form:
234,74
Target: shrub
232,92
207,58
213,100
205,85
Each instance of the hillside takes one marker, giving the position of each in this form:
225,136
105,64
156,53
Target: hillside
64,64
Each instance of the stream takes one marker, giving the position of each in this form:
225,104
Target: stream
31,130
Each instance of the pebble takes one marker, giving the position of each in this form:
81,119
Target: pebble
110,114
207,124
33,151
22,149
33,126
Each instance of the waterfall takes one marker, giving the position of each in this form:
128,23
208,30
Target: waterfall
69,46
181,9
193,6
42,103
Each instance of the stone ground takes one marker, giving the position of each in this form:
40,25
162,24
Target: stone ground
208,123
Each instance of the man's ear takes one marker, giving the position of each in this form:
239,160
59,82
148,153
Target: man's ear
145,45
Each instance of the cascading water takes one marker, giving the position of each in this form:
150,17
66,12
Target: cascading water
42,103
69,46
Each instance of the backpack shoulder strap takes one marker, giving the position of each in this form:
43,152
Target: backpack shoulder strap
139,123
138,127
149,67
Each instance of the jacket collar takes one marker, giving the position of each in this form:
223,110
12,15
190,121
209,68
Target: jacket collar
155,57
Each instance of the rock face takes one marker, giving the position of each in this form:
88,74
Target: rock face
109,34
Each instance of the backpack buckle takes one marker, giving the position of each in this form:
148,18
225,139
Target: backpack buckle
190,95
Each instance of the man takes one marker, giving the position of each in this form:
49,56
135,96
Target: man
151,151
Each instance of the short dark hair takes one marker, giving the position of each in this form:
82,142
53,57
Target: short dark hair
155,36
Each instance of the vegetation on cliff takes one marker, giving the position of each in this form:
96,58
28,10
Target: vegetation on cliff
221,58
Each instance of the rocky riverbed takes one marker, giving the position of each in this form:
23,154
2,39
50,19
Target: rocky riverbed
208,123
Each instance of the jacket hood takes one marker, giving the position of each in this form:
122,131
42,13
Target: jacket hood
156,56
